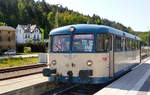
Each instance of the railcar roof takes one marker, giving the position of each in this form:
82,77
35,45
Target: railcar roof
91,28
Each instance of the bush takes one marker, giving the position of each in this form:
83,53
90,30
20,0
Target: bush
27,49
20,47
35,47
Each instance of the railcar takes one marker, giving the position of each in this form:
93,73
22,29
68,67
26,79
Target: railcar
90,54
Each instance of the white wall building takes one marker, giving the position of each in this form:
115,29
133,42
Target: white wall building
27,32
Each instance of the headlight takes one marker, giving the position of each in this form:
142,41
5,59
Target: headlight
53,62
89,63
71,29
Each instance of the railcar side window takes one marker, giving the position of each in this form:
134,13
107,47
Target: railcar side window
83,43
128,46
103,42
131,44
123,43
49,43
134,45
61,43
138,44
118,43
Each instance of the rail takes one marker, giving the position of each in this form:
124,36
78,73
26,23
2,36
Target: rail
76,89
20,71
12,69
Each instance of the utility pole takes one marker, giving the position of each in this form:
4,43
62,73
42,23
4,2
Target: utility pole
148,40
57,14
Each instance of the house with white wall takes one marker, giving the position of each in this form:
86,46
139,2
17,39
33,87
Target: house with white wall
27,32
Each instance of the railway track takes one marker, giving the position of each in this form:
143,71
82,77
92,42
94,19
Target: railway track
20,71
76,89
65,89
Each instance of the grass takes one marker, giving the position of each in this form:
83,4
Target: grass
23,54
27,53
10,62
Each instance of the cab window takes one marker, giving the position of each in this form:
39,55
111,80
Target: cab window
61,43
83,42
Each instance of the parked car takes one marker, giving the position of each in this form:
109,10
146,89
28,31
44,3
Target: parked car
10,52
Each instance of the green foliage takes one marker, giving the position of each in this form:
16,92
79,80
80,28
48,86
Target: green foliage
10,62
131,30
3,24
30,41
35,47
44,15
42,35
27,49
51,18
145,36
27,53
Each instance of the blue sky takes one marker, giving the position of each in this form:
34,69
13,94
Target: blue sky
133,13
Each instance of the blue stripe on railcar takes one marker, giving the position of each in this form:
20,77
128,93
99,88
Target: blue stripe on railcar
93,80
91,28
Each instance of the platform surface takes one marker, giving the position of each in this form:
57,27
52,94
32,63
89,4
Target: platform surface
18,83
136,82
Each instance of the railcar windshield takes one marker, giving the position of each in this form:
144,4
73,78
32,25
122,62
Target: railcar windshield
61,43
83,42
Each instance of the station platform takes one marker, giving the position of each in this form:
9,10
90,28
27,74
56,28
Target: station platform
136,82
22,82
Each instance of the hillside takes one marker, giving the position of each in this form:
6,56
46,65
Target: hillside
14,12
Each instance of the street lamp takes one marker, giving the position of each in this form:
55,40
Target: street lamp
57,14
148,40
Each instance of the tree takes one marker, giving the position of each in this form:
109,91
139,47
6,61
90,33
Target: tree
144,36
51,19
130,30
3,24
42,35
96,19
14,12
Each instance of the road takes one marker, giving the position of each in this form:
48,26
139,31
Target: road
17,56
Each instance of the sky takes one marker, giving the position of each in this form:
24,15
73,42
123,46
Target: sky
133,13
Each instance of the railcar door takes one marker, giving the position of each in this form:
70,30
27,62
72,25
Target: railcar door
111,57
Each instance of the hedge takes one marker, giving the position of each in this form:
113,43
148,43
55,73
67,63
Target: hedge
35,47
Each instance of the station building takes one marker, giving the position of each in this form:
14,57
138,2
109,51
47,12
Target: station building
7,38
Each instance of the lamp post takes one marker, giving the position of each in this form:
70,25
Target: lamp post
148,42
57,14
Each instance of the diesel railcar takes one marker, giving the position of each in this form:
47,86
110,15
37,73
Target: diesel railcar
90,54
